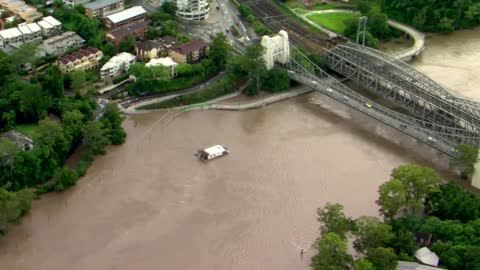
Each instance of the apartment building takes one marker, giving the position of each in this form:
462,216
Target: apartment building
117,65
59,45
127,16
30,32
102,8
190,52
85,59
20,9
151,49
166,62
50,26
195,10
73,3
12,37
136,29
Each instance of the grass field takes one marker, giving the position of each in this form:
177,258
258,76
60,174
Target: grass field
27,129
333,21
327,6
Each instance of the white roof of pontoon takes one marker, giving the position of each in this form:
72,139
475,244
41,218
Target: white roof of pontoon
426,256
214,149
126,14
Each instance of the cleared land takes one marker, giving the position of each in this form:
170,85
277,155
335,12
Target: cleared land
333,21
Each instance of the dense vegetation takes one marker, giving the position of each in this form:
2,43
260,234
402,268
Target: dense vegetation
429,16
57,124
259,28
418,211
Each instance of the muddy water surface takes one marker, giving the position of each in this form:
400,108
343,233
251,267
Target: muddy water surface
150,204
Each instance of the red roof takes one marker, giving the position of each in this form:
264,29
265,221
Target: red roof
77,55
190,47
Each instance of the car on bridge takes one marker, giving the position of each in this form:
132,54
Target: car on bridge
329,90
432,139
368,105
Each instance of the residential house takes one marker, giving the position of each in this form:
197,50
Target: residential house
30,32
102,8
136,29
151,49
84,59
190,52
50,26
118,64
127,16
27,13
60,44
12,37
166,62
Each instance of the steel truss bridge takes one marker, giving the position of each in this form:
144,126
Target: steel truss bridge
436,116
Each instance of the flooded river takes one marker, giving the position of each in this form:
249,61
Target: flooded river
150,204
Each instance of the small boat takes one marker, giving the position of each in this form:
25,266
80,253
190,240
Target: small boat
213,152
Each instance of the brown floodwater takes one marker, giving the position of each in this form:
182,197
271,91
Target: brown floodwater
150,204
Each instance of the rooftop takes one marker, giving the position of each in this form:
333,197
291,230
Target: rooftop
118,59
77,55
64,36
10,33
126,14
189,47
402,265
101,3
214,149
29,28
166,41
128,29
166,61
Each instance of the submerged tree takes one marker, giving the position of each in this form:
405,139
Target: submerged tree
465,159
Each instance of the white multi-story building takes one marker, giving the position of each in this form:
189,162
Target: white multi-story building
31,32
50,26
188,9
116,65
11,36
58,45
166,62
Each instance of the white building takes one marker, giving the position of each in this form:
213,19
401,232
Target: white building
11,36
31,32
50,26
73,3
166,62
187,9
60,44
116,65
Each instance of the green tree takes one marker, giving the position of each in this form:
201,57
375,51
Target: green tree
72,122
33,102
53,81
382,258
407,190
332,253
50,133
64,178
78,80
276,80
363,264
332,219
220,51
9,118
13,205
127,45
95,137
170,8
112,121
25,54
465,159
403,243
170,28
255,64
371,233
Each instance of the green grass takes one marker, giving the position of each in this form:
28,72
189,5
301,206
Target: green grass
301,11
333,21
27,129
5,144
294,4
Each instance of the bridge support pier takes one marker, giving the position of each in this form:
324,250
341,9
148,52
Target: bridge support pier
277,49
476,174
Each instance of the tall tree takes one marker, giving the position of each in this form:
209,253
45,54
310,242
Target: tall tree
127,45
465,159
276,80
392,198
220,51
332,219
73,124
95,137
371,233
112,121
332,253
78,80
52,81
25,54
382,258
33,102
255,64
363,264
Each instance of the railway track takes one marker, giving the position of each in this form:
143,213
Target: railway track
276,20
